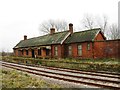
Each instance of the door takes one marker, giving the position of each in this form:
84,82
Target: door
33,53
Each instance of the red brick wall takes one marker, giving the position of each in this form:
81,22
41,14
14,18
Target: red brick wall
98,49
99,36
60,51
43,53
74,50
24,53
29,53
107,49
15,52
85,53
52,51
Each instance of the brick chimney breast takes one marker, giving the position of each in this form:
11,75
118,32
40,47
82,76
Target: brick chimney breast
25,37
52,30
71,28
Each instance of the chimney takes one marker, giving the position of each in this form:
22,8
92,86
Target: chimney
71,28
25,37
52,30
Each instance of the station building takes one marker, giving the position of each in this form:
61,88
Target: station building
69,44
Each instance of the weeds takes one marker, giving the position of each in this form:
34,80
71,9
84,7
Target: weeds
79,64
15,79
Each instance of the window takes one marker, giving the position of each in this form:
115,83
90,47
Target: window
26,52
39,52
80,50
56,51
47,52
70,50
19,53
88,46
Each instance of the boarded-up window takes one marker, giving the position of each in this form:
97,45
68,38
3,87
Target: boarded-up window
80,50
39,52
88,46
56,51
69,50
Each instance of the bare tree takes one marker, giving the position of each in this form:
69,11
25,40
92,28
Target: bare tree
114,32
103,23
59,25
91,22
88,22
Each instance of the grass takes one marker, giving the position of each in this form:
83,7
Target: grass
15,79
111,65
88,66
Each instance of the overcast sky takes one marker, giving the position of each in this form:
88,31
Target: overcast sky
22,17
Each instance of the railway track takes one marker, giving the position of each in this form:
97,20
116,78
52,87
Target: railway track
103,74
93,79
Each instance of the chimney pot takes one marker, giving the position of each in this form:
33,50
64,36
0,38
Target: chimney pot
25,37
71,28
52,30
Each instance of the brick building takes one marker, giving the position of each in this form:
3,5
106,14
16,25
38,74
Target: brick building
69,44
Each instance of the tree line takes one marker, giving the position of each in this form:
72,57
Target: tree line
88,22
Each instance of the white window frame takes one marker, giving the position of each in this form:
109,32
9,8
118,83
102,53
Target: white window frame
70,50
88,46
56,51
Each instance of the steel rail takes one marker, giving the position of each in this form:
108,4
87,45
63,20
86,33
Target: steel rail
79,71
83,72
56,77
95,79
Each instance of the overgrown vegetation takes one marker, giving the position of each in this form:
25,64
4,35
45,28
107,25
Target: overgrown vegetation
79,64
15,79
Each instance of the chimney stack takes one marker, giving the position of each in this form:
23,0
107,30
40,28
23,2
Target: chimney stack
71,28
25,37
52,30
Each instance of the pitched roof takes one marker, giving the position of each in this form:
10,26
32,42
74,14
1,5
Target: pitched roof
56,38
59,38
87,35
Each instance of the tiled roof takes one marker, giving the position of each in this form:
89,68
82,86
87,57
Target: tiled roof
48,39
87,35
58,38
